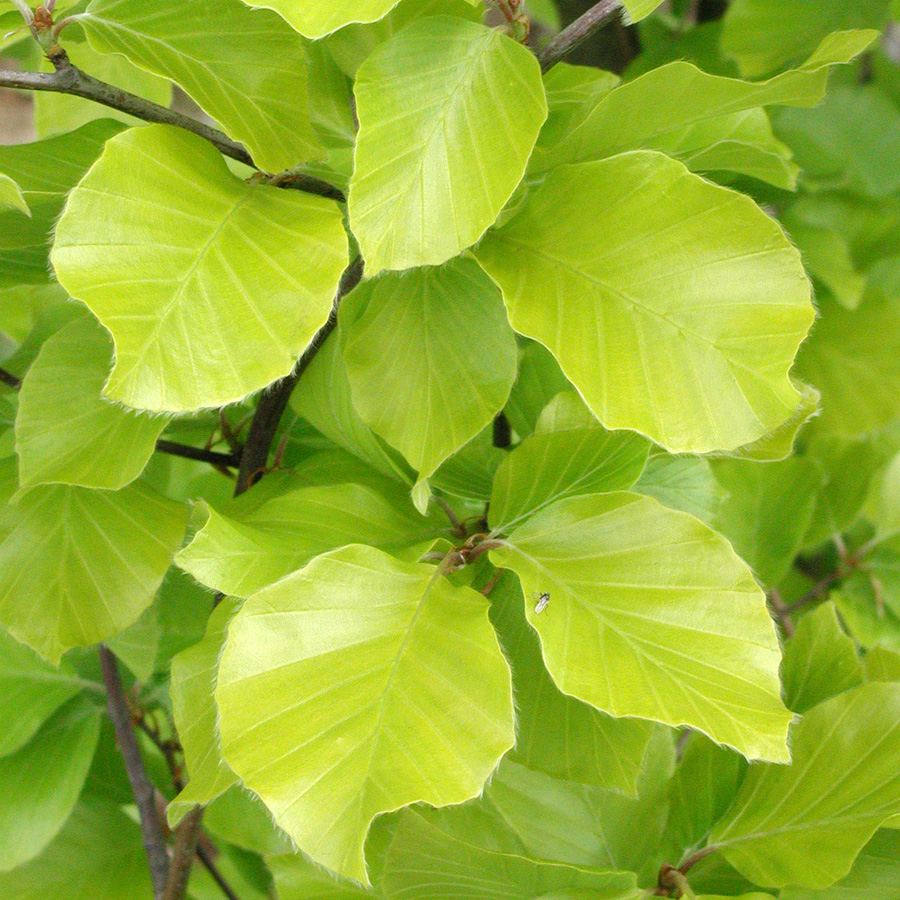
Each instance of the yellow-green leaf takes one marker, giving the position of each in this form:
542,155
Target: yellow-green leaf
356,686
676,313
210,287
651,614
449,112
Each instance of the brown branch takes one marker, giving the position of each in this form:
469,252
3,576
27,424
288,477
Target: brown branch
68,79
820,590
204,847
204,856
692,860
151,831
186,837
229,460
274,402
816,592
458,526
580,30
10,380
782,613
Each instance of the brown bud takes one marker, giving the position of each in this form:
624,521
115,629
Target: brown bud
42,18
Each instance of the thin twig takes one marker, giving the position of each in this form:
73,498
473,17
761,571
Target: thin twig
208,862
186,837
692,13
451,516
168,749
203,853
10,380
781,612
816,592
120,714
229,460
694,858
580,30
69,79
274,402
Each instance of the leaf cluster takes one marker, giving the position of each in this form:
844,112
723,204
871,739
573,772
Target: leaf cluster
480,473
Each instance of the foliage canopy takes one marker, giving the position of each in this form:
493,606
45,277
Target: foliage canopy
433,469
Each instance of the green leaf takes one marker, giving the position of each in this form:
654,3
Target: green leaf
639,9
768,511
849,466
194,712
677,313
331,112
869,599
436,341
871,615
33,313
709,121
820,661
98,854
572,94
323,399
883,503
183,609
875,874
66,432
315,19
352,45
540,379
40,784
441,100
568,459
705,784
827,256
881,665
239,817
557,734
245,68
583,825
663,41
296,878
469,473
762,35
323,732
425,857
851,357
45,170
176,620
246,875
55,113
138,644
634,589
107,777
249,547
805,823
868,226
682,482
11,196
756,895
739,144
30,692
847,142
181,260
779,444
79,566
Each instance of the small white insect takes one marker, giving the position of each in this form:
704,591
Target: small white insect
543,601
